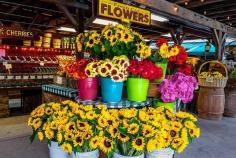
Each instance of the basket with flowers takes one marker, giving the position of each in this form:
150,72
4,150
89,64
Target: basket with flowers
140,72
80,130
112,74
113,40
87,84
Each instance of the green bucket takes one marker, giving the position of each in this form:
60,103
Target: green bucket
163,66
137,89
169,105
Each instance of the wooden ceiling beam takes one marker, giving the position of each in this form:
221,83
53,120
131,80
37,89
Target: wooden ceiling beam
185,15
217,6
222,11
196,4
71,3
222,15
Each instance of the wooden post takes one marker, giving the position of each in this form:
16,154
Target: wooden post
177,37
219,38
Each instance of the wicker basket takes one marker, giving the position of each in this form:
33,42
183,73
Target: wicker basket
210,81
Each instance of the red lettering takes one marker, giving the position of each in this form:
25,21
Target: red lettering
127,14
140,17
109,11
103,8
135,16
117,11
146,18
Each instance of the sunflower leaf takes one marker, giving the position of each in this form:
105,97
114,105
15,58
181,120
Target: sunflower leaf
122,130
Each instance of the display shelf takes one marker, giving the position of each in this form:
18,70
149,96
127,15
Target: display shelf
59,90
124,103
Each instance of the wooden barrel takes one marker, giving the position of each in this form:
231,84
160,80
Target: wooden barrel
211,102
230,98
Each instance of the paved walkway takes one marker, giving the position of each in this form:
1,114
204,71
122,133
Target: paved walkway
217,141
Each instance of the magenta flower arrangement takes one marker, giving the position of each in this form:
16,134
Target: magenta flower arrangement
178,86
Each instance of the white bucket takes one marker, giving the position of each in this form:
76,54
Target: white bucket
121,156
163,153
91,154
55,151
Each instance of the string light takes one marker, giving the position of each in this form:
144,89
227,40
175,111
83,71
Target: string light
228,18
176,8
186,3
205,12
202,0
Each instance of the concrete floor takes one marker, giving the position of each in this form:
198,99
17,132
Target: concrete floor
217,141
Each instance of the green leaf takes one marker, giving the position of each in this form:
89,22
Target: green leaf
33,136
122,130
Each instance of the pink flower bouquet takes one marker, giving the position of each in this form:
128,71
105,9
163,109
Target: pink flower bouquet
178,86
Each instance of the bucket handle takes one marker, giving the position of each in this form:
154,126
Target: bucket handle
214,61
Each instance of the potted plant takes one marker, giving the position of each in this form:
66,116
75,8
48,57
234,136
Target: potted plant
178,86
39,121
140,72
112,74
87,84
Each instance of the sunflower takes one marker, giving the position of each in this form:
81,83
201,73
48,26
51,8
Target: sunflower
126,37
40,112
146,52
102,122
148,131
106,145
176,143
106,28
40,136
82,125
69,136
108,34
151,145
37,123
94,142
113,40
88,134
143,116
184,134
49,134
133,128
169,114
79,47
70,127
113,131
164,50
103,71
189,125
81,114
123,137
67,147
61,128
114,71
48,111
117,78
54,125
78,140
56,107
177,125
79,37
174,51
194,132
88,108
59,138
173,133
138,144
90,115
90,42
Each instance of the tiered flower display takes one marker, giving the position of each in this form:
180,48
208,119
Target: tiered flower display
129,132
113,41
178,86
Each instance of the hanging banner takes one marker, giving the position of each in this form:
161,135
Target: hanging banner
116,10
9,32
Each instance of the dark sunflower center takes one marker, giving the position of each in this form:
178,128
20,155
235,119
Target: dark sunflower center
114,130
107,144
173,133
126,36
91,41
122,136
78,140
71,127
109,122
103,70
109,33
81,125
139,142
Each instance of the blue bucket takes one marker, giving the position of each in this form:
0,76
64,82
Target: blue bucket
111,91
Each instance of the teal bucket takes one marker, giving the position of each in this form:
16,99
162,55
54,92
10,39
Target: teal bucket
111,91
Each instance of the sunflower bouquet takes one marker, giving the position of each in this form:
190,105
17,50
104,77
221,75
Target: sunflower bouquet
128,132
116,69
113,40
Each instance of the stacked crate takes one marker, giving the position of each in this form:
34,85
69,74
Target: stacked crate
4,99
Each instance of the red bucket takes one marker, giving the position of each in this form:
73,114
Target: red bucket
88,88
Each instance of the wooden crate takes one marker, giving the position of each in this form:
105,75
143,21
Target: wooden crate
4,113
50,97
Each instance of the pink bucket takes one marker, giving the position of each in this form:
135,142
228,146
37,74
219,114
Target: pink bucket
88,88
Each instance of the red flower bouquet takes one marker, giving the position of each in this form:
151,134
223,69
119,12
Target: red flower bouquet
181,57
76,70
145,69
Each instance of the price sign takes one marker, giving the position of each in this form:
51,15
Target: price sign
45,76
25,77
32,77
2,77
39,77
50,76
59,80
8,66
41,63
9,77
17,77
